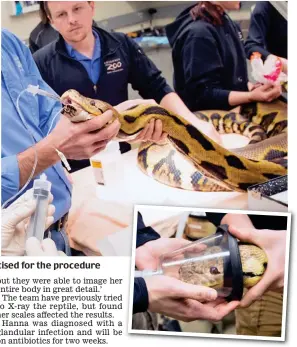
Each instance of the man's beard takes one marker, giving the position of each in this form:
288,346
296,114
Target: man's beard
80,38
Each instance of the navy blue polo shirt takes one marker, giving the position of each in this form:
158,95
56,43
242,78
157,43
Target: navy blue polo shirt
91,65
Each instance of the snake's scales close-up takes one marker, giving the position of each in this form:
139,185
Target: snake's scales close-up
210,272
205,165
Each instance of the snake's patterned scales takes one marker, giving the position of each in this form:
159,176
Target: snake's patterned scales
213,167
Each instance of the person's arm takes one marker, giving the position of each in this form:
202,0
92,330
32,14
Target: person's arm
238,98
259,27
258,32
170,296
203,72
144,233
140,296
205,86
75,141
179,300
262,93
175,104
10,177
46,156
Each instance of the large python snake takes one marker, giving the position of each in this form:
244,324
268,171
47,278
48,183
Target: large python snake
210,272
212,167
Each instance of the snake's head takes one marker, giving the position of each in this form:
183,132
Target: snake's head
254,262
80,108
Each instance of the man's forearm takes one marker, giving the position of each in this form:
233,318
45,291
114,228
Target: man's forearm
46,157
174,103
238,98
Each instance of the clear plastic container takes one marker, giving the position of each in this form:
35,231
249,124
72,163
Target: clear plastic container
213,261
217,261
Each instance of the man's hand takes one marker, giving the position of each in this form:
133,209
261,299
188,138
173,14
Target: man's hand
252,86
14,218
183,301
148,255
173,297
265,93
85,139
273,243
153,130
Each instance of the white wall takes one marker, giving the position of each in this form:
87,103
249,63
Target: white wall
21,25
24,24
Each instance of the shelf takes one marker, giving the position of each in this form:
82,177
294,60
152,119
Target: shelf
26,9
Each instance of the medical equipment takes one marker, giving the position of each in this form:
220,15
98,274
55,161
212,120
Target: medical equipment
35,90
41,191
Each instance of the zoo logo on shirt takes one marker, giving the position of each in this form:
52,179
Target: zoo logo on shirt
114,65
240,36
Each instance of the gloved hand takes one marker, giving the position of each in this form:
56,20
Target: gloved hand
45,248
270,71
14,226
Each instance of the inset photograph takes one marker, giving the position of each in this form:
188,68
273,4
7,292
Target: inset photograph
209,273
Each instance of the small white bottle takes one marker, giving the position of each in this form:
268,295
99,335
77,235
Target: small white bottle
104,163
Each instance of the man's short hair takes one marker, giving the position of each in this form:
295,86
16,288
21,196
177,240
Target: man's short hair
46,9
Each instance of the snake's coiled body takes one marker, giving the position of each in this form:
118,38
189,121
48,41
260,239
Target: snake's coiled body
213,166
